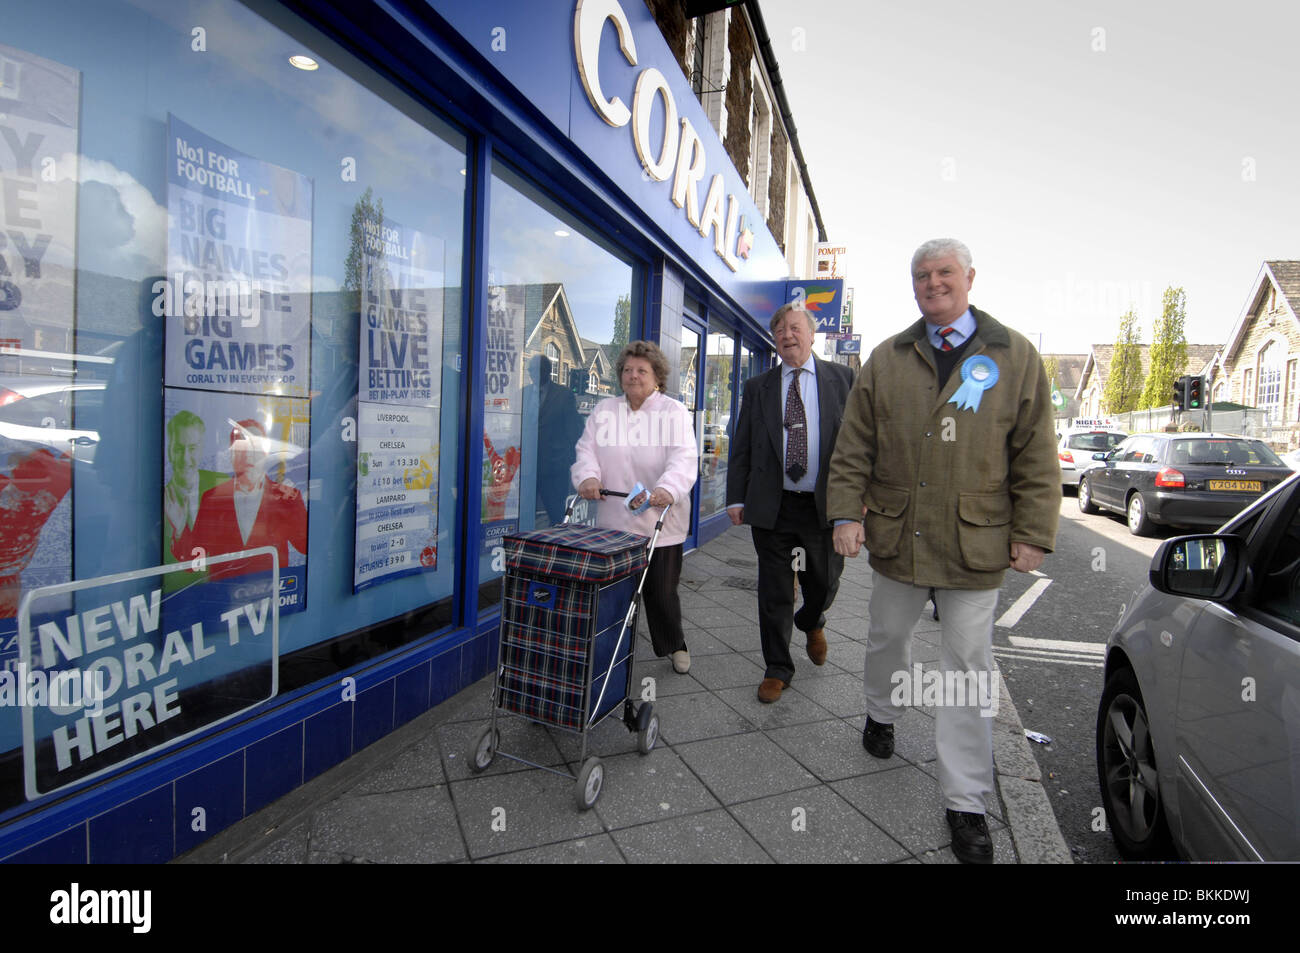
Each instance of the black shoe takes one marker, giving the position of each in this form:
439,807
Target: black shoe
970,838
878,739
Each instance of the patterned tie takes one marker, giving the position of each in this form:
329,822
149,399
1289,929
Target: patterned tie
943,333
796,425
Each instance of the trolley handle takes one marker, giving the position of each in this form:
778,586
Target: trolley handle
637,490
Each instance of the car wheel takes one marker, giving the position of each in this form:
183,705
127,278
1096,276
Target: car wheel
1139,524
1085,498
1126,769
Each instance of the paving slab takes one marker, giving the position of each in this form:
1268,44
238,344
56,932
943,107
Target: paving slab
816,826
400,827
831,750
641,789
509,812
717,672
685,718
905,803
598,849
744,768
714,837
419,766
791,708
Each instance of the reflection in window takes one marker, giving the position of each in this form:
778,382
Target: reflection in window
248,456
559,314
718,367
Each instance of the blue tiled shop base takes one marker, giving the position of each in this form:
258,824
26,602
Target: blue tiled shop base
191,800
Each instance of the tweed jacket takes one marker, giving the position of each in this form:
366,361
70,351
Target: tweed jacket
943,491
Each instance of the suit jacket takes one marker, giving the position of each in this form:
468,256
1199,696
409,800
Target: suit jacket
756,465
281,520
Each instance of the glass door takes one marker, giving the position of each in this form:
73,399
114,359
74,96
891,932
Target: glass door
692,367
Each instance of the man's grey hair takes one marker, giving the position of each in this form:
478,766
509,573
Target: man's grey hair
942,248
782,311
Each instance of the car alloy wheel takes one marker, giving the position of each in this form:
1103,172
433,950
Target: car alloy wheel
1126,768
1085,498
1138,522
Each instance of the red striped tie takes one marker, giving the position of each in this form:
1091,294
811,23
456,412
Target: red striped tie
943,333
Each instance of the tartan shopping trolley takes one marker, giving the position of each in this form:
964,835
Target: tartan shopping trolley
567,639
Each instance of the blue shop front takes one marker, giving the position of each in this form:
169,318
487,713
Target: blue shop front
283,288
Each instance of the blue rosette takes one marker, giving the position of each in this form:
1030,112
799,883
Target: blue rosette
978,374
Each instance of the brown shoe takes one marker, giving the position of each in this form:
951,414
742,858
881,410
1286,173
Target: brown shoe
769,690
817,646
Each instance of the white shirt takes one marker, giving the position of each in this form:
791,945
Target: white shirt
808,394
247,503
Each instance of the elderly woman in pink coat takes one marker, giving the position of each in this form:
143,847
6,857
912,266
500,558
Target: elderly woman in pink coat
645,437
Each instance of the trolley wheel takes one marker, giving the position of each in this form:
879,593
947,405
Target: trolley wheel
485,749
590,780
647,728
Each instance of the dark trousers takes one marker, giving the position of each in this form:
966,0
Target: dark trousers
799,539
663,609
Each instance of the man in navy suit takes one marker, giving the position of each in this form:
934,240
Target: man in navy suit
776,482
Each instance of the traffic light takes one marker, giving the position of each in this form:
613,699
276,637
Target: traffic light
1180,392
1195,396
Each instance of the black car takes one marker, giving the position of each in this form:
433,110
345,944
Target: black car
1183,479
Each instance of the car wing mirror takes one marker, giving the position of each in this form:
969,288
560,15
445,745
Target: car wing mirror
1101,456
1202,567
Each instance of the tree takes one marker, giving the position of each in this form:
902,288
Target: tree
1049,365
1124,382
622,323
1168,351
366,214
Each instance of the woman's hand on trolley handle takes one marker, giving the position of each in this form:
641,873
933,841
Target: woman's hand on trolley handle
660,497
589,489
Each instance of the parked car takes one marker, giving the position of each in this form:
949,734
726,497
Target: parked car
1198,729
38,410
1076,445
1183,479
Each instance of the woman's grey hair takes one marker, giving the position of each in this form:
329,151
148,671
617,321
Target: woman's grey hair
648,351
941,248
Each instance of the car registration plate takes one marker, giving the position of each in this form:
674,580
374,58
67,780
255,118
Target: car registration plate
1248,486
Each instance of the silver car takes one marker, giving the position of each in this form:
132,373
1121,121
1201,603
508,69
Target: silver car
1198,730
1075,447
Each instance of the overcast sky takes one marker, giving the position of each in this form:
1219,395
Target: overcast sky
1090,153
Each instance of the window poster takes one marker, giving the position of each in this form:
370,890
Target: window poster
237,301
235,478
238,290
503,413
39,141
399,386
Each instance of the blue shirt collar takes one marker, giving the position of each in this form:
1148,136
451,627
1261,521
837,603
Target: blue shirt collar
964,326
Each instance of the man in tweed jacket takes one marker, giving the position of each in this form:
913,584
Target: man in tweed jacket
946,469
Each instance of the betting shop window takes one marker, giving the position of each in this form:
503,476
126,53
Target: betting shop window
559,314
232,278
